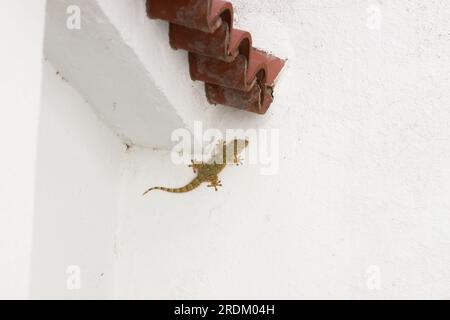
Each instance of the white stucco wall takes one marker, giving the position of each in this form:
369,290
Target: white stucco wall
362,190
358,207
20,83
100,63
78,170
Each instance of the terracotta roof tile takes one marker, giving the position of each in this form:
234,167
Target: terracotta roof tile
235,73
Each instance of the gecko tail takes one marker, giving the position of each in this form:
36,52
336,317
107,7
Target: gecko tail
155,188
193,185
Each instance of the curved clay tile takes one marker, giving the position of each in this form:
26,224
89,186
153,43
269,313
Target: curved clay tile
205,15
235,73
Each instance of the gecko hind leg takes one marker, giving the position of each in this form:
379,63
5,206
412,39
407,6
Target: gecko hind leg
215,183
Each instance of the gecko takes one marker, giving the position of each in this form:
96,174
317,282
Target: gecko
228,153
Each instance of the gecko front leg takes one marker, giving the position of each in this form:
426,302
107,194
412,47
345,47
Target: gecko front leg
215,182
196,166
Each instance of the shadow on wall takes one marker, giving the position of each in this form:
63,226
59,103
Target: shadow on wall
75,208
105,69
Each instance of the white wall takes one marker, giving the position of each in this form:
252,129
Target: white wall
77,181
103,66
362,185
364,170
20,82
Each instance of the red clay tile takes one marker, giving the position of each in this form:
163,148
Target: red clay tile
235,73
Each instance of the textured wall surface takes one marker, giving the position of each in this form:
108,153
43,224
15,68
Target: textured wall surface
359,207
101,62
78,172
20,83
